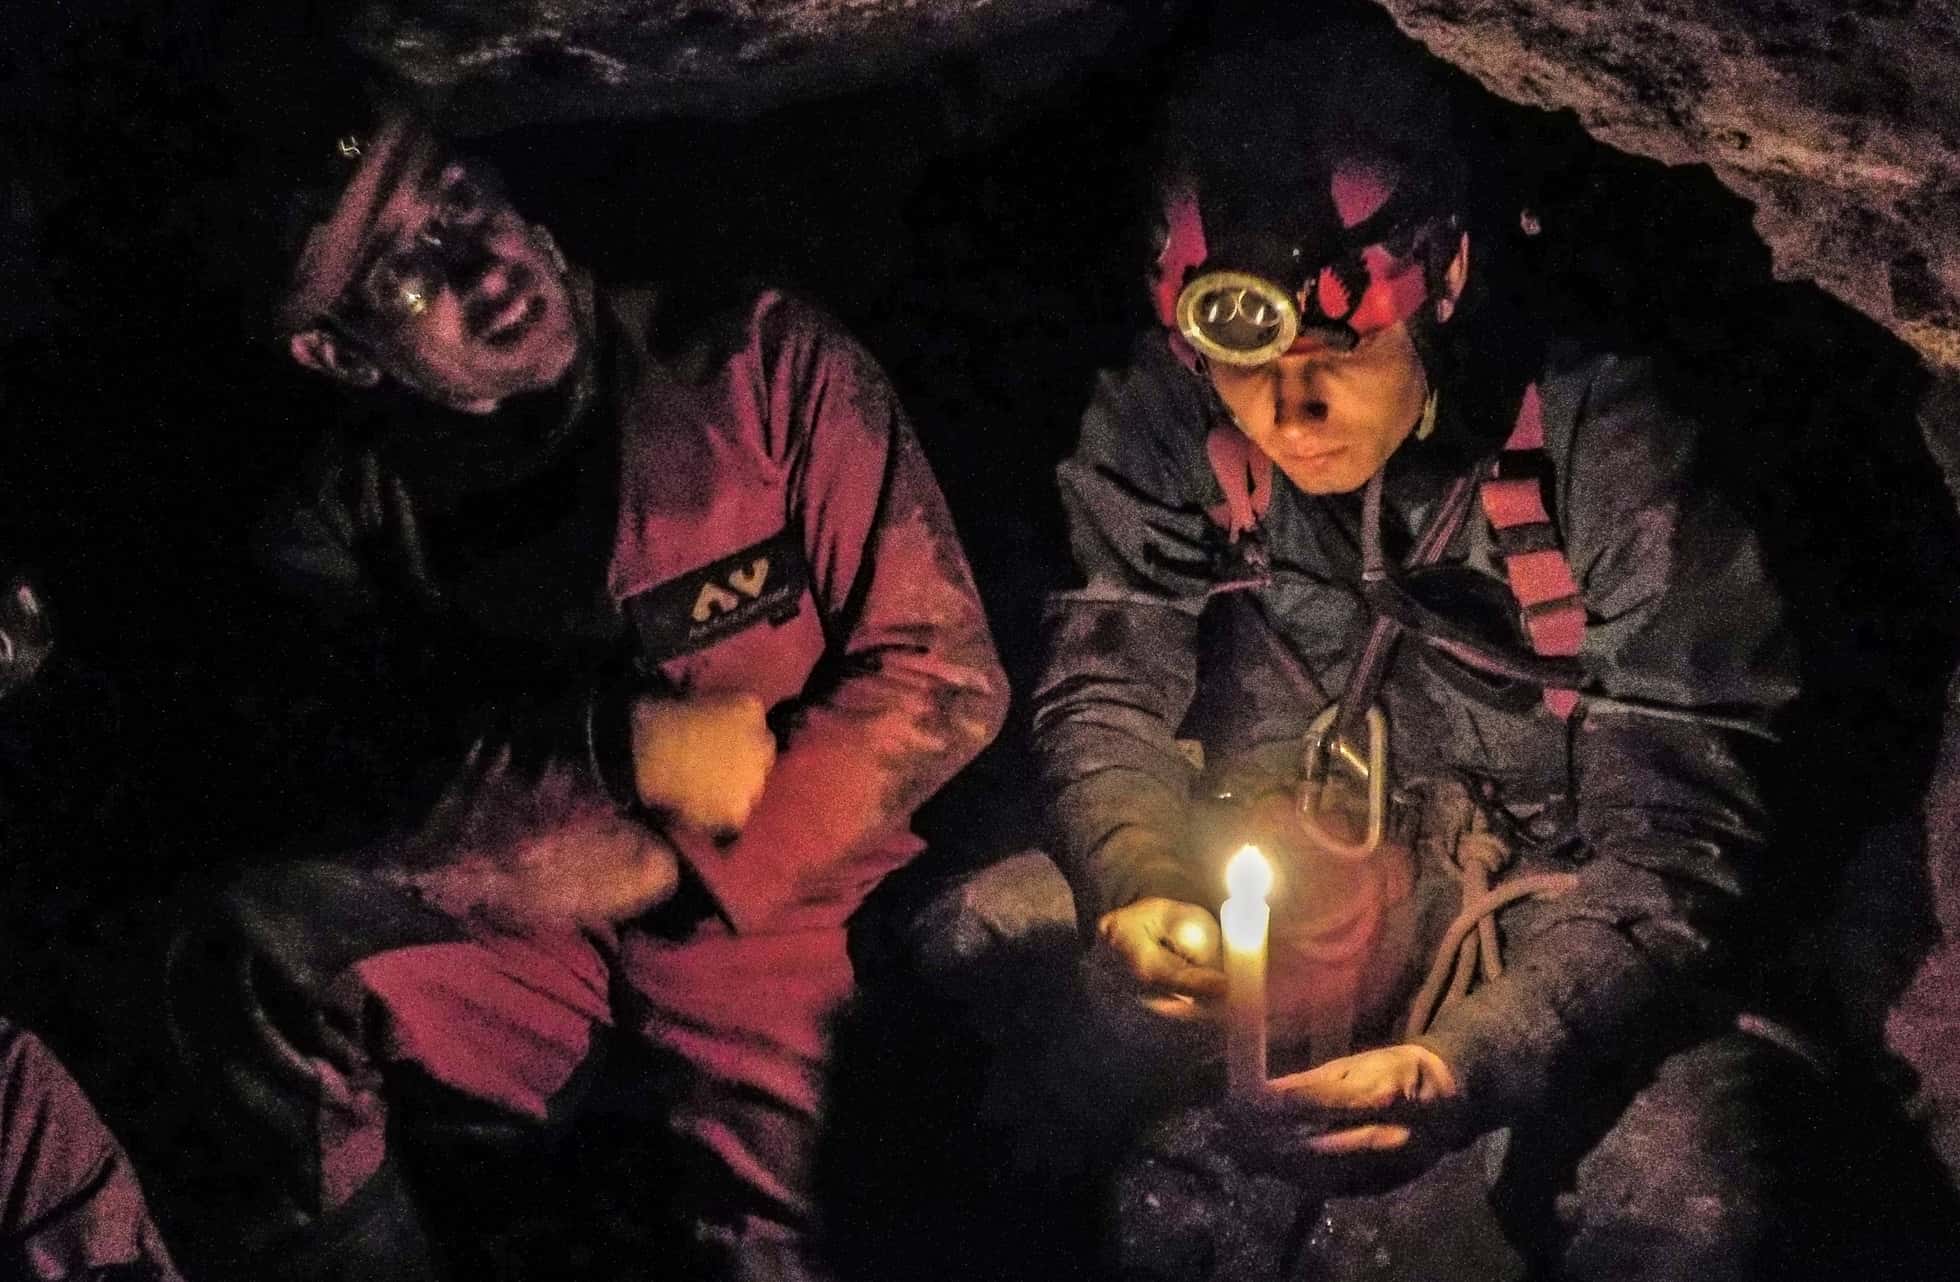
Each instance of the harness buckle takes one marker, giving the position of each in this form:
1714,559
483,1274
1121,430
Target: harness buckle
1326,755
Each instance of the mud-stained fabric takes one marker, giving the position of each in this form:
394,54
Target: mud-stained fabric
71,1209
316,986
1650,793
721,502
736,504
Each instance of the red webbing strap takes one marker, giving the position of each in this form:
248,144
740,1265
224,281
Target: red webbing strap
1527,541
1245,474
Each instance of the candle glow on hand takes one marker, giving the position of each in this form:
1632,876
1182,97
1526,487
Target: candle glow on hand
1191,938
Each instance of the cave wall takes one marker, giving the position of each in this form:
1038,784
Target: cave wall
1840,123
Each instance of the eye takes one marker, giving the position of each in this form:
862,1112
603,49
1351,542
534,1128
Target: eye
401,284
460,202
466,199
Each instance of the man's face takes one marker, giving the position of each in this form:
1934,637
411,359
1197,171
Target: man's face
457,296
1329,420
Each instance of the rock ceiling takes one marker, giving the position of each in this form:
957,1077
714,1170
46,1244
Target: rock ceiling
509,60
1839,122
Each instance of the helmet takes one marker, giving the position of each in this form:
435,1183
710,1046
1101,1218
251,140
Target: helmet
334,231
1309,198
1314,279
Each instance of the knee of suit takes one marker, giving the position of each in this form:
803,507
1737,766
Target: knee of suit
1015,912
1700,1176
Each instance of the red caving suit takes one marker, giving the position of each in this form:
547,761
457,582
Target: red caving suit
733,503
70,1207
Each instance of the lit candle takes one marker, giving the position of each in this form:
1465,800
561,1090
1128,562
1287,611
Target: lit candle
1244,920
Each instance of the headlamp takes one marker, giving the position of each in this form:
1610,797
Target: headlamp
1243,319
1242,283
1237,318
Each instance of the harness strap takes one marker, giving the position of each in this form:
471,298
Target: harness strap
1365,678
1535,566
1245,475
1534,561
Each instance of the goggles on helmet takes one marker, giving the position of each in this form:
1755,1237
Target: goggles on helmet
332,256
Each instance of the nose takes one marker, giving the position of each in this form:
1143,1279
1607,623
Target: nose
473,267
1299,404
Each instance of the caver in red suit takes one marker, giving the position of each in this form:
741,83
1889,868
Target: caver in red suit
70,1207
720,498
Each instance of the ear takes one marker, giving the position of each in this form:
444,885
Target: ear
325,352
1455,277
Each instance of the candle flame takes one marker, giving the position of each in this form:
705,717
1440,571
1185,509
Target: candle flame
1248,876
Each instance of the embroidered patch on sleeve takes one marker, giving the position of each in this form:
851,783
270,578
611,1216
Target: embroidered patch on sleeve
762,583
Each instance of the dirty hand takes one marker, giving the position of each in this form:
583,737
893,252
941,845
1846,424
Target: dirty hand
702,760
529,852
1393,1098
1169,948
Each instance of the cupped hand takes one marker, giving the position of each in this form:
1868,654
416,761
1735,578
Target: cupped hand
1388,1099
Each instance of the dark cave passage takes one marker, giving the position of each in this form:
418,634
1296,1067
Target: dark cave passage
986,239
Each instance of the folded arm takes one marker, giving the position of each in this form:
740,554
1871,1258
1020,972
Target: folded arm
910,690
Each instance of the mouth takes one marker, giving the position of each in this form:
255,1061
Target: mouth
509,323
1314,458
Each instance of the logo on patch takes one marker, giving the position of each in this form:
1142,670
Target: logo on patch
743,585
761,583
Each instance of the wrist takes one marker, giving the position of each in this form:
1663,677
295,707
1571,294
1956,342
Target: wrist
1133,865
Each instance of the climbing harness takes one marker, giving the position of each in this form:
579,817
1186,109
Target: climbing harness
1540,576
1331,757
1345,751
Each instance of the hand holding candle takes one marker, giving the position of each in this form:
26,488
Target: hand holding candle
1245,918
1170,950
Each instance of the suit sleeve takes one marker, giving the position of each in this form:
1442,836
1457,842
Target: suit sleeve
1121,648
70,1204
1690,665
910,689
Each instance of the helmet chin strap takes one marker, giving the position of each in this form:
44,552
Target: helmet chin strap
549,243
440,398
1426,425
1426,336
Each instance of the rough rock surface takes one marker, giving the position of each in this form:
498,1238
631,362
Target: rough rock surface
1840,122
529,60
